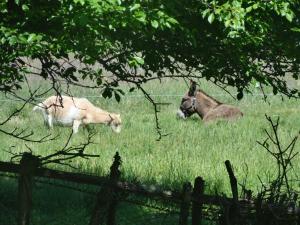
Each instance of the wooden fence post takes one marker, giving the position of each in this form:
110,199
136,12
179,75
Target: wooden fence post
28,164
185,204
197,205
114,177
298,215
234,209
258,210
106,197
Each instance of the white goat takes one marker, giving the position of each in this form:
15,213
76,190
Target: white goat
70,111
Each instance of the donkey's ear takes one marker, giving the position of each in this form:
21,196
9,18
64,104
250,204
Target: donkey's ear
192,90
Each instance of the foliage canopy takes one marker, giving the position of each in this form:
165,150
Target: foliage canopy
230,42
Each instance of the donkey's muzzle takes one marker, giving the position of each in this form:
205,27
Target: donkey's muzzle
180,114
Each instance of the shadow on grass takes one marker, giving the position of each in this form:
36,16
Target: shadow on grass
53,205
8,201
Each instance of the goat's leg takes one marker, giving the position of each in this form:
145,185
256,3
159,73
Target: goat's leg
50,121
45,117
76,124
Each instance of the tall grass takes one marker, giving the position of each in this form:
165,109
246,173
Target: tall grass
191,149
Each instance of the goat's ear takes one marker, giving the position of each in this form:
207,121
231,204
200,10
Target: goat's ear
192,90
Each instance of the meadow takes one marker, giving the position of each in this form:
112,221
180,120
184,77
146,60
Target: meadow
190,149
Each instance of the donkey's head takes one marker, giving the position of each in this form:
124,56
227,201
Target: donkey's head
188,103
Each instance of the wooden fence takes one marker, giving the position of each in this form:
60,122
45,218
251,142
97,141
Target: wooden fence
191,199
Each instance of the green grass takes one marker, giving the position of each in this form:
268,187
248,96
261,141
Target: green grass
191,149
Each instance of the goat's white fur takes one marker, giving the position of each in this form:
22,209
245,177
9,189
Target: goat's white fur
70,111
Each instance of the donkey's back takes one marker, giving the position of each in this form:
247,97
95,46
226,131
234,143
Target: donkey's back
223,111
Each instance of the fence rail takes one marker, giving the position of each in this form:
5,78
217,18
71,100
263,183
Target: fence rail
190,200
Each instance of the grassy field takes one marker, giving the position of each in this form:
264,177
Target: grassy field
191,149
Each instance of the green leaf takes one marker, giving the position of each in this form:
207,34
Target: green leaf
227,23
139,60
154,24
140,16
99,81
69,71
82,2
121,91
117,97
255,6
296,29
289,17
249,9
23,39
205,12
211,18
172,21
25,7
3,40
12,40
31,38
107,93
240,95
134,7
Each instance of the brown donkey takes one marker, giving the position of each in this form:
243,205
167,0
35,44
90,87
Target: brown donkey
208,108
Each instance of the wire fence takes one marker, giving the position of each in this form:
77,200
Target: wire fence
152,95
131,209
45,196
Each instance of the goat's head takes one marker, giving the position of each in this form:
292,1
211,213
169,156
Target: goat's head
115,123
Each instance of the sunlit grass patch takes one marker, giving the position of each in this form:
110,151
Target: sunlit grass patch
191,148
